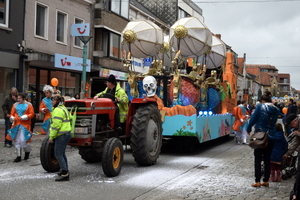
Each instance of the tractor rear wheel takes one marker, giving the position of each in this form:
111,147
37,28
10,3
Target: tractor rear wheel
48,160
146,135
112,157
89,154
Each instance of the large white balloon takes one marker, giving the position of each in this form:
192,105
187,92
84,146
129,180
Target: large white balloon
190,36
217,54
142,38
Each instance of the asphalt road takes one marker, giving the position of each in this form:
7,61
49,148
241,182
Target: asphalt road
219,169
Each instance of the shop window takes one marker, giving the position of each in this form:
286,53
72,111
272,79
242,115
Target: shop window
120,7
41,20
77,41
61,27
4,12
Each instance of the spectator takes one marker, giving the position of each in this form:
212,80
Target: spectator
77,96
8,103
280,146
264,118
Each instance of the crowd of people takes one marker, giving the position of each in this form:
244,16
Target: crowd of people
263,117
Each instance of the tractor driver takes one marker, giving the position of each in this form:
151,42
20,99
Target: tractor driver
121,99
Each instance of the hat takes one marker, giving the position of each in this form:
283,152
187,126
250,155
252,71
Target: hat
111,79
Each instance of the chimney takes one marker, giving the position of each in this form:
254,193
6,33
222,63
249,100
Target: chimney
218,36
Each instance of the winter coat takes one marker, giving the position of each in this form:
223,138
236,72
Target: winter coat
7,105
60,122
264,117
280,147
122,104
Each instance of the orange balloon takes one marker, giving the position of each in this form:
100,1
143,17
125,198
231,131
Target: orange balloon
54,82
284,110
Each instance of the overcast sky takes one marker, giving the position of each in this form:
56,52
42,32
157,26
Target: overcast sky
268,31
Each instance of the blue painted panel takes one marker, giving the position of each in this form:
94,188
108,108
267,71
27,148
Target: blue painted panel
205,128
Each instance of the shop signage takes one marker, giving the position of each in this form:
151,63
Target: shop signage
70,62
80,29
119,75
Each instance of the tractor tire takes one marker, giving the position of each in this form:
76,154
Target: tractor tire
48,160
112,157
146,135
89,154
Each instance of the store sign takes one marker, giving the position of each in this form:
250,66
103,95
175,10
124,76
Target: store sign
70,62
80,30
119,75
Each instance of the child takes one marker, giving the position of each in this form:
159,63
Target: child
280,146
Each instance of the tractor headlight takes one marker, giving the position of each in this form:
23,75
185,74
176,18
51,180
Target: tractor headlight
84,122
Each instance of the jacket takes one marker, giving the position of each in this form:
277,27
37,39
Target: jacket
17,111
122,104
46,103
280,146
240,118
7,105
60,122
264,117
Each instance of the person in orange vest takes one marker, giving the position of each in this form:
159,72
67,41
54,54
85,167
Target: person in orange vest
21,114
46,108
240,115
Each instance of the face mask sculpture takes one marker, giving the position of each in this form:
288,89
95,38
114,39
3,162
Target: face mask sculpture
149,85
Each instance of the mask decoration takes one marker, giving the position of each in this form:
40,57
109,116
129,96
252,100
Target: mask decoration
149,85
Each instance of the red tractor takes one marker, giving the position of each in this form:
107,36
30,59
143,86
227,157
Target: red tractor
97,140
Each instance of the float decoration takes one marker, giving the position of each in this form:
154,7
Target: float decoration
217,54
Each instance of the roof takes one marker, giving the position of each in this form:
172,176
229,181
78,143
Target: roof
262,67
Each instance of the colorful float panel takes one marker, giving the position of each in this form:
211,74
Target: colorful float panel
205,128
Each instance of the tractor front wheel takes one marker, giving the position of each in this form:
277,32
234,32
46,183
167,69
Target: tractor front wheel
112,157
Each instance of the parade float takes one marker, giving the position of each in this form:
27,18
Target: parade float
195,102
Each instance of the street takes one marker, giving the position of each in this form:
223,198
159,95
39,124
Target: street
218,169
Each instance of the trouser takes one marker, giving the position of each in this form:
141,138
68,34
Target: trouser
263,155
7,127
60,146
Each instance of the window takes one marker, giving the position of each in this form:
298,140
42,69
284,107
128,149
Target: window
111,44
41,20
182,13
4,9
114,45
61,27
77,41
120,7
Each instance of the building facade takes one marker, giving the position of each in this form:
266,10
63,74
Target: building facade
11,58
50,48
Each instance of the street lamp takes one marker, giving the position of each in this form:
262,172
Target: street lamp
84,40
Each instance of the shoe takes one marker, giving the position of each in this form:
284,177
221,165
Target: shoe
18,159
266,184
9,145
257,184
59,173
26,155
63,177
